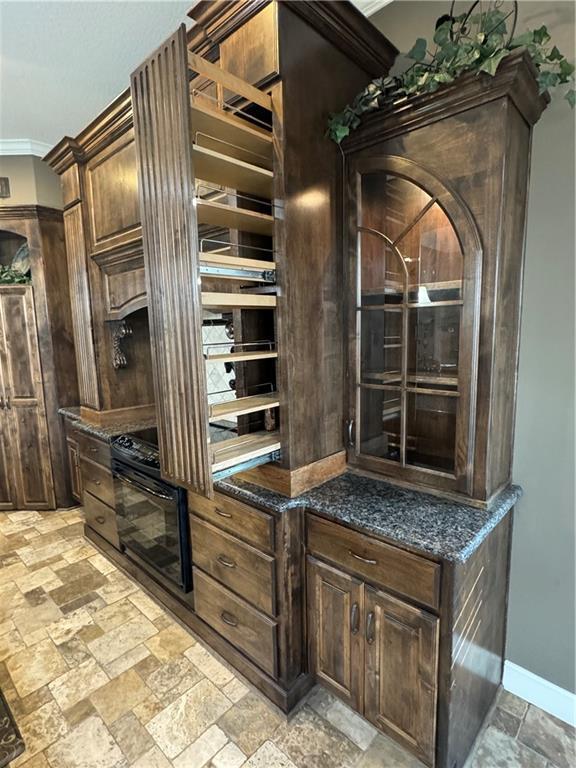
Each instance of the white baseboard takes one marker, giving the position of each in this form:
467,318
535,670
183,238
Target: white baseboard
540,692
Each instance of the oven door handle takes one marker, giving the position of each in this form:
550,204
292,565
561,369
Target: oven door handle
124,479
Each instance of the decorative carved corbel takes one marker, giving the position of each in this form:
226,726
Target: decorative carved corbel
119,330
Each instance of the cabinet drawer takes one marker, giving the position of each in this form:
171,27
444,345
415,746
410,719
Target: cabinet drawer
101,518
94,449
243,626
379,563
98,481
250,524
245,570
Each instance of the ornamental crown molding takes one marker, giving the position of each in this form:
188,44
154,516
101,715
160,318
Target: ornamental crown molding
24,147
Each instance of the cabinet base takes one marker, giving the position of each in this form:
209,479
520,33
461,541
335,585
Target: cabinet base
293,482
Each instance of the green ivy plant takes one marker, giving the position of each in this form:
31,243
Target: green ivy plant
464,43
9,276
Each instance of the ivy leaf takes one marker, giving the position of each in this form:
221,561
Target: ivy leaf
555,55
566,70
571,97
418,50
339,132
523,40
547,80
443,33
541,35
490,65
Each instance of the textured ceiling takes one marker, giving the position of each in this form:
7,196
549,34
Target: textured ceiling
61,63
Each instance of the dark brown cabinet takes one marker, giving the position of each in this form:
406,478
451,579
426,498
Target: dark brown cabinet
377,653
73,453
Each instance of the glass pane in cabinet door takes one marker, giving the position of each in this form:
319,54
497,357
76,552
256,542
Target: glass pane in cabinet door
382,278
389,204
381,346
433,347
431,431
433,258
380,423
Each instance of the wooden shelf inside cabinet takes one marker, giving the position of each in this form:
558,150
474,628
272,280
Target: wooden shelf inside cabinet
223,131
244,448
230,217
242,357
222,260
237,301
236,268
218,168
244,405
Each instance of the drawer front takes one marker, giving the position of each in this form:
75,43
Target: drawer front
239,566
101,518
381,564
94,449
243,626
98,481
247,523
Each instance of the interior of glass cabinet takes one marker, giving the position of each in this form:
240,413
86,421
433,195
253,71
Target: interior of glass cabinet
408,317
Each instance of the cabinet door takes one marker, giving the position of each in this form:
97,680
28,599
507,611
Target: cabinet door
415,261
336,642
24,412
7,478
401,671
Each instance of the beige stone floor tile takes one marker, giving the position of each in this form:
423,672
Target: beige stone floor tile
11,600
11,643
111,616
149,708
512,704
211,668
39,761
311,742
131,736
50,525
344,719
101,564
116,588
173,678
89,633
31,555
34,637
198,754
187,717
121,639
43,577
497,749
89,745
68,625
40,729
78,683
229,756
269,756
6,626
79,712
35,700
82,552
120,695
251,722
35,667
146,605
128,660
549,736
30,619
385,753
79,580
170,642
505,722
12,572
155,758
235,690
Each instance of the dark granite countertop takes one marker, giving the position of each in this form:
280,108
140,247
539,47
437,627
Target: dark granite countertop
421,522
105,433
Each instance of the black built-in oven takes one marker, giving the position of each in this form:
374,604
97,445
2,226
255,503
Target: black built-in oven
152,514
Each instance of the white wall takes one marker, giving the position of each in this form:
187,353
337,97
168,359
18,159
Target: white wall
541,617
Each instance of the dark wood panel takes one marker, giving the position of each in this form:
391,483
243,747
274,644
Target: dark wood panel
112,195
81,314
250,524
251,52
379,563
101,518
243,626
401,672
74,468
162,126
97,480
246,571
335,637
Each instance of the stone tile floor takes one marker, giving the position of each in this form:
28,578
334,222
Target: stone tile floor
98,675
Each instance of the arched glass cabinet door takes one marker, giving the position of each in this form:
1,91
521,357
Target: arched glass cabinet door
414,276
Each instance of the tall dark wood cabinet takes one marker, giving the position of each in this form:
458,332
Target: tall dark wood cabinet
436,213
239,188
37,363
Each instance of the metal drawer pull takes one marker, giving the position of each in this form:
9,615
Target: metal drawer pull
97,482
225,561
100,519
355,619
370,628
221,513
93,450
227,618
363,559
